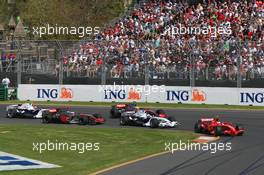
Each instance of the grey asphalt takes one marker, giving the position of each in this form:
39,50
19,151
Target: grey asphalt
245,158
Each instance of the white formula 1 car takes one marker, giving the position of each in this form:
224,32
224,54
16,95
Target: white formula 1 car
148,118
25,110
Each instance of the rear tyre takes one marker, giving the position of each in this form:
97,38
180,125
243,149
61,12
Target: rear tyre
124,120
91,121
83,121
218,131
154,123
45,119
115,113
172,119
160,111
112,112
11,113
198,127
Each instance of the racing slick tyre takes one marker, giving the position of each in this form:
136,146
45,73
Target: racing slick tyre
154,123
124,120
160,111
239,127
198,127
218,131
10,113
115,113
91,121
28,115
96,115
45,119
172,119
83,121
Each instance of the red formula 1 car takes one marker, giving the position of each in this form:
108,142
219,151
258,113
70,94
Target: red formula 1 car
118,109
214,127
65,116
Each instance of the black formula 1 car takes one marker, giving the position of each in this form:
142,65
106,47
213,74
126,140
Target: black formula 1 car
65,116
25,110
118,109
148,118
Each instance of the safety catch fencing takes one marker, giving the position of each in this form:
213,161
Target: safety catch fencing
224,64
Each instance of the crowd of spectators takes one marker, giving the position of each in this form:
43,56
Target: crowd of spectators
7,61
150,35
220,39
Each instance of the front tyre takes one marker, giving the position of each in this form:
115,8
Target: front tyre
238,128
10,113
115,113
154,123
198,127
124,120
218,131
45,120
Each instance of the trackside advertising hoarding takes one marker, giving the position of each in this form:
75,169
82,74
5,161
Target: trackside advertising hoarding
138,93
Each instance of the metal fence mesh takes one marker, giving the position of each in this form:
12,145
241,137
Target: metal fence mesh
165,62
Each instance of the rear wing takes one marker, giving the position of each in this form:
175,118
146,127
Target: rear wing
121,105
207,119
53,110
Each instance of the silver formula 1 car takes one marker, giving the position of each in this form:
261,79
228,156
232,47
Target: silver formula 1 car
25,110
147,118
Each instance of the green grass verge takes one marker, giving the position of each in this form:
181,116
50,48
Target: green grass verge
116,146
151,105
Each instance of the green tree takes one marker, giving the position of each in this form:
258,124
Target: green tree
63,13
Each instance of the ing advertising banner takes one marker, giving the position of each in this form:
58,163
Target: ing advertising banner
250,96
197,95
56,92
139,93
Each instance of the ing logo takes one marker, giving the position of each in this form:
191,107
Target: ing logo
198,95
133,94
66,93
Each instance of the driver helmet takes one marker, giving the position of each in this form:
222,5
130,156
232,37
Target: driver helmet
216,118
136,108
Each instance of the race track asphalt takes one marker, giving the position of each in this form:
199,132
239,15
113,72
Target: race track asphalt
245,158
